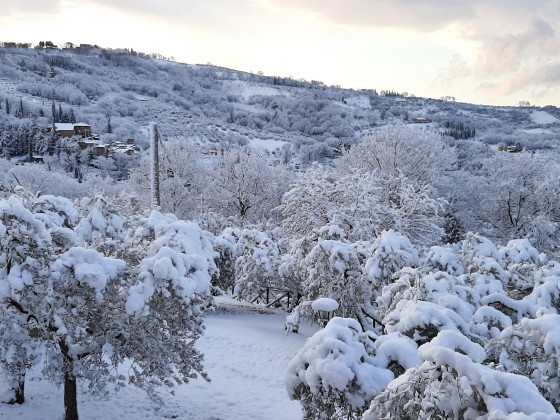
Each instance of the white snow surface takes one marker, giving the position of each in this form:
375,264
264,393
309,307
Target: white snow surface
269,145
246,356
246,89
543,117
325,304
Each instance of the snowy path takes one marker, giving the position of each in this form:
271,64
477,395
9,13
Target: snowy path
246,355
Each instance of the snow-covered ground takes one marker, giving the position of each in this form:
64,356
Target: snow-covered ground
246,355
361,101
246,89
543,117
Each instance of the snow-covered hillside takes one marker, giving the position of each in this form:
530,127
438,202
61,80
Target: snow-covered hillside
208,104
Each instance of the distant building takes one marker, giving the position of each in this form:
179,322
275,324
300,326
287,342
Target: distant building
82,129
128,148
420,120
511,149
69,130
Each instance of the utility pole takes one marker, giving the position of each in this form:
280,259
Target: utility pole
154,175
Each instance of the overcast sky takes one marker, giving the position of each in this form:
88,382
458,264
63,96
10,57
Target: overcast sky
496,52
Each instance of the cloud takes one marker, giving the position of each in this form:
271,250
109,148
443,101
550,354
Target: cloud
30,7
510,52
425,15
515,51
536,79
213,13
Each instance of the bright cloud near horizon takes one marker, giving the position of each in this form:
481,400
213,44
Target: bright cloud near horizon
496,52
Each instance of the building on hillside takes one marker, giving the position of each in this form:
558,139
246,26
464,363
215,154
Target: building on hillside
420,120
511,149
128,148
105,149
82,129
69,129
98,148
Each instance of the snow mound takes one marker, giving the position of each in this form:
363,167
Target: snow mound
325,304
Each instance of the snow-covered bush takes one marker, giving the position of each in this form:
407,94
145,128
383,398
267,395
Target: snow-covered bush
483,264
420,306
452,383
532,348
520,260
333,375
389,253
333,270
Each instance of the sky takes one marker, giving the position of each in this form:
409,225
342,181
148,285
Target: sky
495,52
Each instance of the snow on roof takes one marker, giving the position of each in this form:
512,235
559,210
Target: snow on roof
63,126
325,304
69,126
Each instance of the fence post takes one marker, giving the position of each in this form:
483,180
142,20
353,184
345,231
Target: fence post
154,174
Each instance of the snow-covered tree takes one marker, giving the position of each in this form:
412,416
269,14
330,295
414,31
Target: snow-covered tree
167,303
182,175
92,312
518,199
256,265
25,246
243,185
397,151
333,270
225,246
363,204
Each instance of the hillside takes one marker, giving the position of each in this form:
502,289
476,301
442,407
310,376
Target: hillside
216,106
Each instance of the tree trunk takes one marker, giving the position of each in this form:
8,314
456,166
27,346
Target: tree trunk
70,388
19,390
70,396
19,394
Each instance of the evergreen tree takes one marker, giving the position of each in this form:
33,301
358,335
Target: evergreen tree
109,128
53,110
53,140
19,112
72,117
7,107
